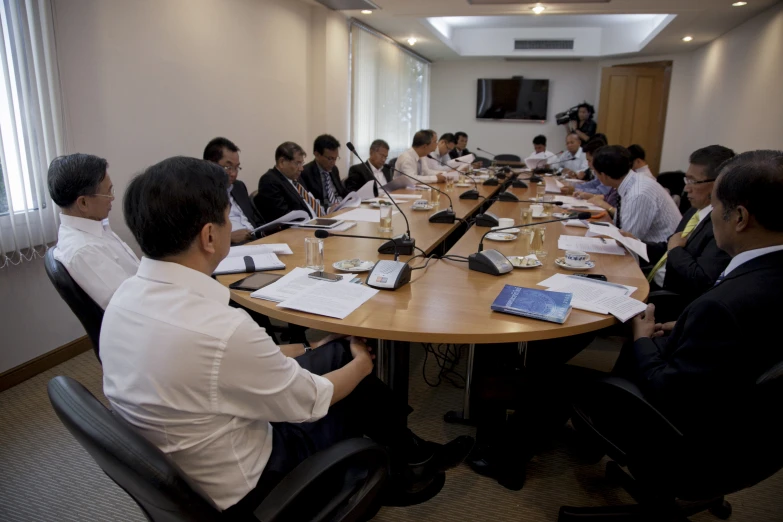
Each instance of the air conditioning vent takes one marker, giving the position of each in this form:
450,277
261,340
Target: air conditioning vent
543,45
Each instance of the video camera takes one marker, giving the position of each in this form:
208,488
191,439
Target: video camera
564,117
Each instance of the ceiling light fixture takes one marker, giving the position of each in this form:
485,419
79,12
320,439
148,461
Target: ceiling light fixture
366,11
739,4
687,38
538,9
412,41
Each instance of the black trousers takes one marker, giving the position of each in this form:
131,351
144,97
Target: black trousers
371,409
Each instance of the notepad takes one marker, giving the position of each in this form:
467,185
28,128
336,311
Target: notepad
252,263
266,248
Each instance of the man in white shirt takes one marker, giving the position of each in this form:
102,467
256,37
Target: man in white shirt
638,163
94,256
209,387
644,208
440,155
412,162
572,163
540,153
374,168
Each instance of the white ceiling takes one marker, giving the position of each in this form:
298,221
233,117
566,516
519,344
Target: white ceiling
705,20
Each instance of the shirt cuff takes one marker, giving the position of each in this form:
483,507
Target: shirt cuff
324,389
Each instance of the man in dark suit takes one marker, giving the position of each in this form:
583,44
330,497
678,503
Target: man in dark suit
244,216
373,168
724,341
462,146
279,190
321,177
691,261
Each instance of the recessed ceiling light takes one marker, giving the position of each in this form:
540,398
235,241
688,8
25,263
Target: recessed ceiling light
412,41
739,4
366,11
538,9
687,38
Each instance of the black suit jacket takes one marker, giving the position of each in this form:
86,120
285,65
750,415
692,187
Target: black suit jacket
240,195
454,154
722,343
311,179
360,174
692,270
276,196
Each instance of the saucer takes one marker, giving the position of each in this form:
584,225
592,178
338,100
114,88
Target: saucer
499,236
560,261
423,207
514,260
354,265
508,230
461,185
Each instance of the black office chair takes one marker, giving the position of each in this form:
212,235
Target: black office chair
393,164
668,305
340,483
507,157
672,475
674,182
485,162
87,311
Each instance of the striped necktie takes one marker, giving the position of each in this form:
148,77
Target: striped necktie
314,204
689,227
617,221
720,279
326,179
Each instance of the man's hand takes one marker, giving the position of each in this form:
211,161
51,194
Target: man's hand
361,352
569,173
326,340
581,175
643,325
241,236
662,329
599,201
567,190
292,350
677,240
441,178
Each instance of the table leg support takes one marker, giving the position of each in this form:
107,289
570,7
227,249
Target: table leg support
463,417
382,361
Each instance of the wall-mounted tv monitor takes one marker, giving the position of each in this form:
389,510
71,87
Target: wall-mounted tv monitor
517,99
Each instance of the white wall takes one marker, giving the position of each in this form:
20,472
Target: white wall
453,105
143,80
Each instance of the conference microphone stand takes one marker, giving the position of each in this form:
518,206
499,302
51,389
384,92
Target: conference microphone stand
468,194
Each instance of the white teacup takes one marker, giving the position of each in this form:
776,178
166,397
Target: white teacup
537,209
505,222
576,258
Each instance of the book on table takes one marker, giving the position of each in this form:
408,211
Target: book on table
535,304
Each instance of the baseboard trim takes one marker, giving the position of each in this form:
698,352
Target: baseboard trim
44,362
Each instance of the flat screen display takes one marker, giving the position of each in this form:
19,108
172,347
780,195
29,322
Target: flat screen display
512,99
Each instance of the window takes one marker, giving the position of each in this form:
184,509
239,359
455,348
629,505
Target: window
390,91
30,129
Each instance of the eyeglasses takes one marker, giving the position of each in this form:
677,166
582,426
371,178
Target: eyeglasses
689,181
109,195
231,168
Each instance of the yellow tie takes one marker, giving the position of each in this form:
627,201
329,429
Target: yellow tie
689,226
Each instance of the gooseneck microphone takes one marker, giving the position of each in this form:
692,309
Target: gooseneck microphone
468,194
493,262
486,151
403,244
446,215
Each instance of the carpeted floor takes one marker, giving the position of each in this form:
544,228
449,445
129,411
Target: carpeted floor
45,475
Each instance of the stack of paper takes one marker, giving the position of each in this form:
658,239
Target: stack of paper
633,245
599,297
552,185
370,215
249,263
595,245
576,203
251,250
292,218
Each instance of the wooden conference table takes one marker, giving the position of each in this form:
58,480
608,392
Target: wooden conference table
445,302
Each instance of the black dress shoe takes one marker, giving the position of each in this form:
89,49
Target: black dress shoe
485,461
440,457
397,493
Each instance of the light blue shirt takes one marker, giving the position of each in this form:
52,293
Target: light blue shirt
594,186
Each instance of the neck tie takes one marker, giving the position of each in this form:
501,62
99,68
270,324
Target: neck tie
314,204
327,183
617,221
720,279
418,166
689,226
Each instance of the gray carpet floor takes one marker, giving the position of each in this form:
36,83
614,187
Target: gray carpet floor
45,475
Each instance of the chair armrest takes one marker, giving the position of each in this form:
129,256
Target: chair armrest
358,460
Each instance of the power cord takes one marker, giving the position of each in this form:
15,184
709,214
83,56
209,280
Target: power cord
446,357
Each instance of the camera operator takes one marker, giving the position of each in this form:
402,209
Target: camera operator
582,123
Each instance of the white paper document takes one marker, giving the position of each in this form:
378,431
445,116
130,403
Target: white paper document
370,215
249,263
462,161
251,250
633,245
576,223
559,279
552,185
595,245
576,203
352,200
291,284
367,192
290,218
324,300
600,297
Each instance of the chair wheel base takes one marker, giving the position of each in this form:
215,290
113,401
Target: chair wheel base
722,511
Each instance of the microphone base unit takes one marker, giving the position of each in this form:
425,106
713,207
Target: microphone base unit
491,182
443,216
487,219
489,262
469,194
404,246
508,196
518,183
389,275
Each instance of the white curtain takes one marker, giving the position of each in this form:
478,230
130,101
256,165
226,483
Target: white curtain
390,91
30,129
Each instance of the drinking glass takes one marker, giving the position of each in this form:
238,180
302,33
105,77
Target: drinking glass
540,191
449,183
538,246
385,223
314,253
434,196
527,216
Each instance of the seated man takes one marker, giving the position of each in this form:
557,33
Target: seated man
437,158
279,190
321,177
572,163
594,187
644,208
690,262
374,168
209,387
461,149
638,163
540,151
244,216
413,163
94,256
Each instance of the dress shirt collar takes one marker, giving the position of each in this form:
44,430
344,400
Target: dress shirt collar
703,213
748,255
628,182
374,169
229,189
90,226
644,170
176,274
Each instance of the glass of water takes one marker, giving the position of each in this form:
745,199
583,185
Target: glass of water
527,216
434,196
314,253
449,183
385,224
540,191
538,246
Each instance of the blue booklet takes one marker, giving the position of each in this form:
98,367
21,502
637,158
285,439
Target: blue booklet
536,304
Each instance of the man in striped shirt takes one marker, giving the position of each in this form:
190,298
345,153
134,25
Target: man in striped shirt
644,208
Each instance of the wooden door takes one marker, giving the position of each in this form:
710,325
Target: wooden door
632,107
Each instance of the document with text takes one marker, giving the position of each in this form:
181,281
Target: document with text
633,245
600,297
325,300
370,215
595,245
291,284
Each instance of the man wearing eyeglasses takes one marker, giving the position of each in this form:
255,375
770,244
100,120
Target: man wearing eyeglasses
690,262
321,177
244,216
94,256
